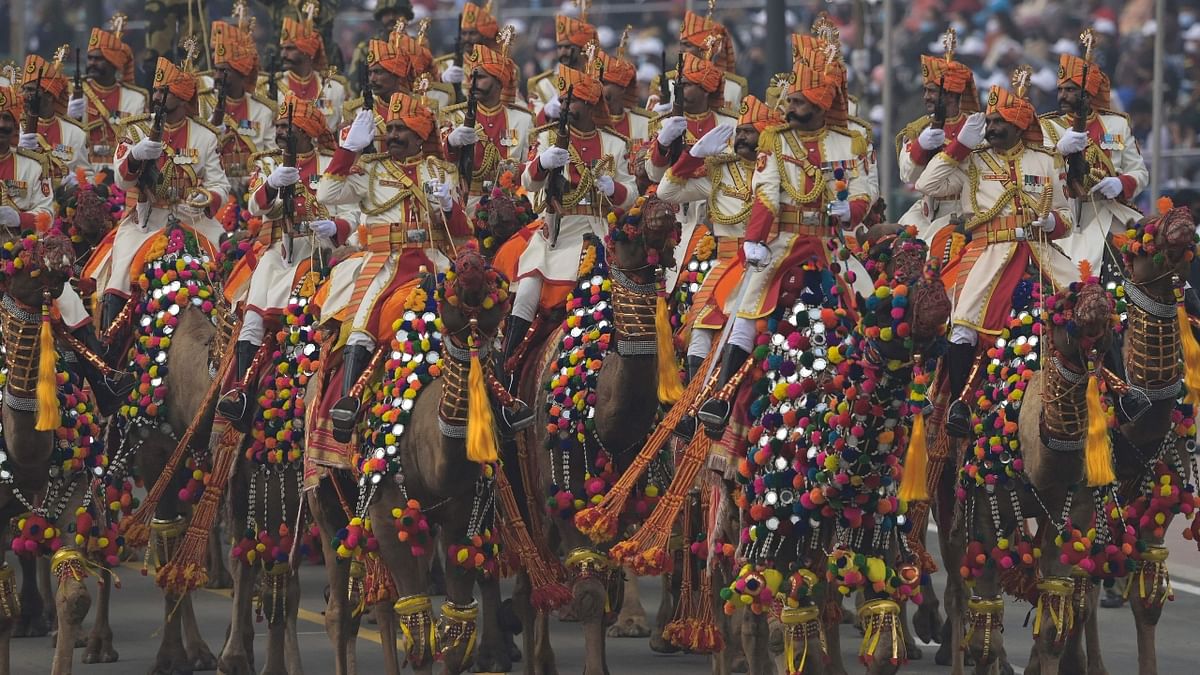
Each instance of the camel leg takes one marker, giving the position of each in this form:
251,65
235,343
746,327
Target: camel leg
32,622
539,655
100,641
410,573
340,624
387,636
291,641
493,656
1145,619
6,630
171,657
1091,629
73,602
277,612
755,634
236,659
910,643
631,622
218,573
666,611
198,654
833,637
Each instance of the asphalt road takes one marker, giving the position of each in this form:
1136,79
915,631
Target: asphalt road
137,612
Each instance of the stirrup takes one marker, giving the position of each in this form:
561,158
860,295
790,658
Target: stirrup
686,428
714,414
958,420
235,406
344,413
517,418
1133,404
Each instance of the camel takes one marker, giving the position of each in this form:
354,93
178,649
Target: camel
626,402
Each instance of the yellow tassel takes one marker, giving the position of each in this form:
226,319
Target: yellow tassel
669,386
1097,451
916,462
1191,357
481,425
48,418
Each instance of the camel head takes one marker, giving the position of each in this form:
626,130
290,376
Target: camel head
93,216
35,263
501,213
1158,248
473,299
910,309
1083,318
644,237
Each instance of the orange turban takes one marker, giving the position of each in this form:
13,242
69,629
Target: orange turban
493,63
586,87
177,81
618,71
389,57
12,102
115,51
306,38
578,33
479,18
417,50
412,113
803,43
305,116
1070,69
230,47
704,73
1015,110
814,84
697,30
953,77
53,80
757,113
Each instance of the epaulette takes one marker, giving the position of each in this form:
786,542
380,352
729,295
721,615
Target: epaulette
549,126
640,112
911,132
720,159
266,153
341,79
623,138
205,123
137,89
32,155
454,108
729,113
1115,113
444,58
768,139
141,121
516,108
73,122
1042,149
860,122
273,105
1053,116
373,157
737,79
858,143
350,108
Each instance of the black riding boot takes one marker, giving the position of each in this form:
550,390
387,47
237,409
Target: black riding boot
110,390
960,360
687,424
235,403
110,307
520,415
345,411
714,414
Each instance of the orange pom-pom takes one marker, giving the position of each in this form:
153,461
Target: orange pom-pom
1085,270
1164,204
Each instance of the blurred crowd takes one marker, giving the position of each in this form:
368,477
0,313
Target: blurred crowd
994,36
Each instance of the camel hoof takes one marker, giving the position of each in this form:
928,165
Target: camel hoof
629,627
913,651
740,665
235,664
943,657
927,623
220,581
100,654
31,626
203,659
1006,668
660,646
514,652
492,660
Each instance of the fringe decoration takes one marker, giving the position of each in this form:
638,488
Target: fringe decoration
646,552
1098,448
10,602
356,587
987,615
801,625
186,570
68,562
547,591
481,425
670,388
1191,357
457,624
48,418
415,617
1153,580
1055,597
880,617
599,522
136,526
378,586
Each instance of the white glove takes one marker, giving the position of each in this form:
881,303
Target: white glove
453,74
445,200
713,142
757,254
553,157
932,139
282,176
323,228
9,217
362,131
672,129
606,185
28,141
973,130
1109,186
76,108
146,150
1072,142
1046,223
840,209
70,181
460,136
663,108
553,108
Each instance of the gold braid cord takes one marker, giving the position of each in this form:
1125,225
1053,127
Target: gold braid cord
414,614
1064,404
1152,349
1055,602
20,326
10,602
801,626
456,626
633,314
356,593
164,536
453,406
986,616
879,618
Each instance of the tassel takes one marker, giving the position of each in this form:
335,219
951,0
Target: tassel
670,388
1098,450
1054,603
481,425
545,574
1191,357
48,418
916,464
800,625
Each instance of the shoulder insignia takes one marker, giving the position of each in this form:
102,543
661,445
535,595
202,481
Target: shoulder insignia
373,157
141,121
720,160
73,122
30,154
205,123
1055,117
514,108
911,132
640,112
551,127
860,122
136,89
266,153
729,114
454,108
264,100
1115,113
616,134
738,79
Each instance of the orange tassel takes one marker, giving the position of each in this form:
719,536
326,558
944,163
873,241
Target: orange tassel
916,462
1097,452
48,418
1191,357
481,424
669,386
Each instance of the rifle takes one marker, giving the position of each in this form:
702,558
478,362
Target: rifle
1077,164
272,79
149,176
458,58
557,181
30,123
368,97
676,149
939,107
466,154
77,91
288,193
664,89
217,118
